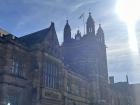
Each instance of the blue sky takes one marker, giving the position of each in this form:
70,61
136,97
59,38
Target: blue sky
21,17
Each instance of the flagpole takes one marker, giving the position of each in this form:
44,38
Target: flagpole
84,23
83,19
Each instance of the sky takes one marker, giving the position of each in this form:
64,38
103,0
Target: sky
21,17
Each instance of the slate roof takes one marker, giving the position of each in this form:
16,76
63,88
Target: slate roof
35,37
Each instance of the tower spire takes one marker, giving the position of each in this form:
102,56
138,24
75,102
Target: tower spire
89,11
67,32
67,21
100,34
127,80
90,25
78,35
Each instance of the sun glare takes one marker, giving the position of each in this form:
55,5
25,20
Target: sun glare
128,11
132,38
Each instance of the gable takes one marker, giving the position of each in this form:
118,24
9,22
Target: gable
50,43
44,40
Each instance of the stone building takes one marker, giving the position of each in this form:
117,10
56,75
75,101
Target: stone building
135,93
121,93
36,70
86,55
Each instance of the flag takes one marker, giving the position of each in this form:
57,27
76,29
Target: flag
82,16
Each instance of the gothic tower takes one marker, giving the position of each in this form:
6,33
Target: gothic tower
102,65
86,55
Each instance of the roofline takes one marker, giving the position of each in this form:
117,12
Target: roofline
4,31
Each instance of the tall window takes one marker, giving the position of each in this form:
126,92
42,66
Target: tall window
69,86
16,67
79,88
51,76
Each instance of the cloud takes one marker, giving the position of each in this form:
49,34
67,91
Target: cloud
82,3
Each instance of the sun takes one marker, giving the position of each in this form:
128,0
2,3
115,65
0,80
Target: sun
128,11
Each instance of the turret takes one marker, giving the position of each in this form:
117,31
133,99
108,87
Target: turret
127,80
67,33
78,35
90,25
100,34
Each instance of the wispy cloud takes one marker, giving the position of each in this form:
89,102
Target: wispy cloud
82,3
